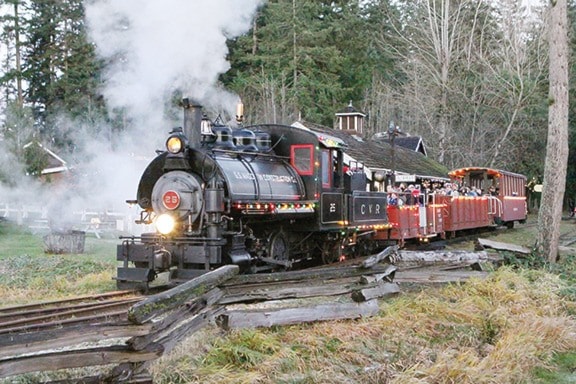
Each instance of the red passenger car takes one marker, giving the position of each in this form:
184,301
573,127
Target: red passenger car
506,193
475,198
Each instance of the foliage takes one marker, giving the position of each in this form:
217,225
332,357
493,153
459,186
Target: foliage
565,366
476,93
304,59
59,66
36,159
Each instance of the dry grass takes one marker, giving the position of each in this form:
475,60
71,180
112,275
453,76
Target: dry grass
492,331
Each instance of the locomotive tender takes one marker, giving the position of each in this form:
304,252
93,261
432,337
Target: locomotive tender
270,197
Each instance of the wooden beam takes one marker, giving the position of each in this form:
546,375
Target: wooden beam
174,319
285,316
322,273
77,359
17,344
435,275
485,243
427,258
387,275
379,291
165,301
188,327
376,259
288,290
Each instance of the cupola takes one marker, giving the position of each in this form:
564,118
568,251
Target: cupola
350,119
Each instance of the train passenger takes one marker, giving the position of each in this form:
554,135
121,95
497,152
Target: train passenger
414,197
470,191
401,191
410,195
455,191
392,197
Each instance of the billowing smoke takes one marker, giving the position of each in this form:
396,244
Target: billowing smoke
153,50
157,47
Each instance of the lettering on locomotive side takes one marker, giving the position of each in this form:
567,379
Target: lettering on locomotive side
369,208
265,177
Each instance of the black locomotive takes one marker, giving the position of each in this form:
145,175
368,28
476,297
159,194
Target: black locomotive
264,197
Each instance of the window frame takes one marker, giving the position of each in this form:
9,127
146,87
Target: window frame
293,155
327,168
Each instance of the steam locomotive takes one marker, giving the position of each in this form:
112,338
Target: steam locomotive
264,197
273,197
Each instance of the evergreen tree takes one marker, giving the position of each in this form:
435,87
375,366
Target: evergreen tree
61,67
304,59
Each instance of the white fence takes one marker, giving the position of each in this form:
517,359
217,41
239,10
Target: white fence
37,218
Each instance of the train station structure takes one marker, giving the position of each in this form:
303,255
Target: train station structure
402,158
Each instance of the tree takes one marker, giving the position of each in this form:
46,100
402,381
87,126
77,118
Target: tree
305,59
571,171
61,67
472,83
550,213
11,36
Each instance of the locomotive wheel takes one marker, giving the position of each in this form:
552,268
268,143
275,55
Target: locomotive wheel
279,248
331,252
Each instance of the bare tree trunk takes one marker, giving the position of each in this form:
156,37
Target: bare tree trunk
17,47
550,213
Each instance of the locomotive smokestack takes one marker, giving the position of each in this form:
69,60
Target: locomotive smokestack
192,122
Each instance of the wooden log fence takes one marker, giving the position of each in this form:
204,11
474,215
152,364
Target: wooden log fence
155,325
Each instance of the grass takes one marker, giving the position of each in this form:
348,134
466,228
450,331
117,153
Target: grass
485,331
27,274
518,326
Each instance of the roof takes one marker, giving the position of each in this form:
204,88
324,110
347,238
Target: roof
55,163
350,110
461,172
380,155
414,143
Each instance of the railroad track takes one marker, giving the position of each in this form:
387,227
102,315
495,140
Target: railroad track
95,330
111,306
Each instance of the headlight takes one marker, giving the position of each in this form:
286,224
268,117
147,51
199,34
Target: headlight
175,144
165,224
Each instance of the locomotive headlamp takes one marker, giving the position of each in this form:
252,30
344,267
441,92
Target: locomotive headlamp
175,143
165,224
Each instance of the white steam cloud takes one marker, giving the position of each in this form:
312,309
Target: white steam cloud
151,48
156,47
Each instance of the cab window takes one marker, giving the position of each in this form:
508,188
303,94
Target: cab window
326,168
302,158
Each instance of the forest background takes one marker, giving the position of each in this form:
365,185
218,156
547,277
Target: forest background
469,76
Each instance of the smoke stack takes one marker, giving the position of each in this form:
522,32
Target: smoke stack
192,122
